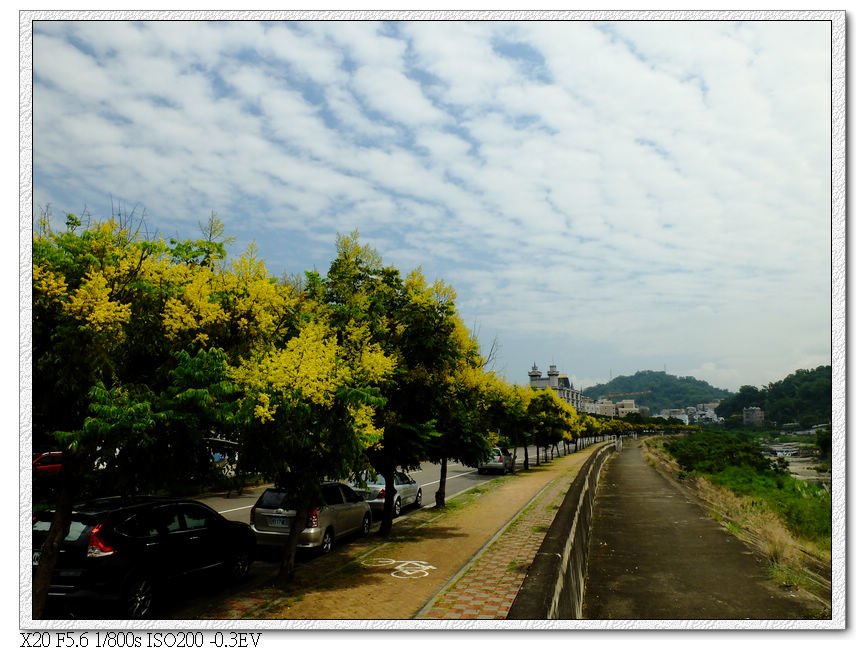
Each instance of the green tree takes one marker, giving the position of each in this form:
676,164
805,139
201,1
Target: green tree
464,415
308,414
510,417
550,422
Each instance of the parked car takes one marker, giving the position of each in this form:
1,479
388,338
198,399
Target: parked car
408,492
340,512
47,464
131,551
498,460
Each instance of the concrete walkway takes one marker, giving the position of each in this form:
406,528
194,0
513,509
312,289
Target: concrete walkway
655,555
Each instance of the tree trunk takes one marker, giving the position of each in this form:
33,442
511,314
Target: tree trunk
526,457
443,477
67,490
289,551
387,508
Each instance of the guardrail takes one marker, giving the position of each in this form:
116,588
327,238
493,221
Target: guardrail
554,585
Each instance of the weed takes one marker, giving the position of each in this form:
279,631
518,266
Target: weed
540,529
517,566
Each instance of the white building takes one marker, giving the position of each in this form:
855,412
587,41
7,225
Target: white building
560,383
626,407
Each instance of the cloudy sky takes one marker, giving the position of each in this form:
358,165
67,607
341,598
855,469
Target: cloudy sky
606,196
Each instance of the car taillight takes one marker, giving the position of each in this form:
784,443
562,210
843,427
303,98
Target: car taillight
501,458
380,494
312,518
96,546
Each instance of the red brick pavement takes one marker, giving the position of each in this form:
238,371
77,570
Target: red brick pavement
490,582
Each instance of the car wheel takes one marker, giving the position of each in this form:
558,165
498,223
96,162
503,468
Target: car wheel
364,527
327,541
397,507
138,598
419,497
238,565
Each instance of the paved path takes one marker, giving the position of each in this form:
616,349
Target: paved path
655,555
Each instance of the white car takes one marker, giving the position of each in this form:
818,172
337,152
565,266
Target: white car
408,492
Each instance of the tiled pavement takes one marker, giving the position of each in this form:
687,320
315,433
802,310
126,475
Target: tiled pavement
487,586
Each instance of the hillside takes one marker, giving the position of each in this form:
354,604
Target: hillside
658,391
803,397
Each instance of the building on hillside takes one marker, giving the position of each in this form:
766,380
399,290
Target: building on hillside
677,414
561,385
626,407
752,416
705,413
605,407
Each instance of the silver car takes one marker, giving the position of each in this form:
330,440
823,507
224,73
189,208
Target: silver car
498,460
342,512
408,492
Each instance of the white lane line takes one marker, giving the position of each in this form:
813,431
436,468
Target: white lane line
450,476
234,509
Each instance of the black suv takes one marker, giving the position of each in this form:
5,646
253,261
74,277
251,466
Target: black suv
127,551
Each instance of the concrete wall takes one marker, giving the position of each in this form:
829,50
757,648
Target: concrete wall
554,585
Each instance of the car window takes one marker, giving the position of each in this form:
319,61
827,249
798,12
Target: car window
151,523
76,528
166,520
196,517
272,498
332,495
349,495
139,525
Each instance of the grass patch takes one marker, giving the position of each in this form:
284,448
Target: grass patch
540,529
804,508
517,566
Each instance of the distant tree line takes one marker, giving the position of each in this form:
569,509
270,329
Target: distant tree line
803,397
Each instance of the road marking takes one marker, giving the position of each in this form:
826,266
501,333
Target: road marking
234,509
449,477
403,568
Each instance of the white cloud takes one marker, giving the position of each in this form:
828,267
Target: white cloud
630,192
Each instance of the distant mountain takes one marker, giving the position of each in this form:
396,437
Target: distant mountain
658,391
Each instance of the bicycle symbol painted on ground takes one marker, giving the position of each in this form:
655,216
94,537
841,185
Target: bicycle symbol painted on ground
401,568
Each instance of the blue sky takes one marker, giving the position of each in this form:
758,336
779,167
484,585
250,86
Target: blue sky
606,196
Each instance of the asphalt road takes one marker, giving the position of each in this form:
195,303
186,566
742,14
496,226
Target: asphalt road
459,479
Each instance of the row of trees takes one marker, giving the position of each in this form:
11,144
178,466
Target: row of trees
144,348
804,397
